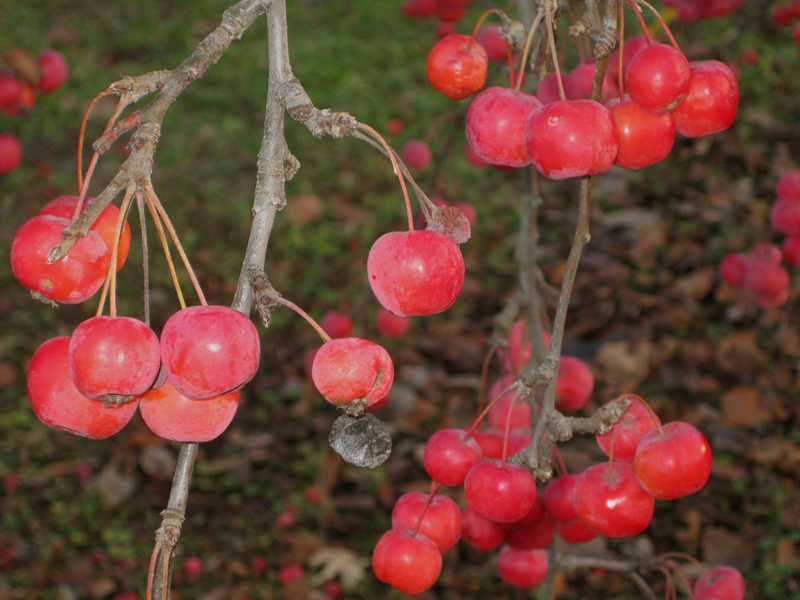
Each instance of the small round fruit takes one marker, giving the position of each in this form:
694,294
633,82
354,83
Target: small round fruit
336,324
449,456
723,582
172,416
391,325
658,78
628,431
416,154
481,533
732,268
457,66
54,70
410,563
522,568
71,280
493,42
441,522
502,493
348,369
415,273
59,405
712,101
10,153
574,385
643,139
209,350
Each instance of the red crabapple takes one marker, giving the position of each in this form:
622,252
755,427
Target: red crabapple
502,493
643,138
537,536
575,532
490,442
791,250
289,574
522,568
336,324
578,84
722,582
631,47
533,517
785,216
422,9
172,416
508,403
410,563
391,325
558,498
496,125
349,369
788,186
767,282
449,456
105,224
609,500
480,533
59,405
445,28
674,463
10,153
712,101
416,154
547,89
54,70
493,42
209,350
70,280
415,273
571,138
113,355
473,158
10,90
450,11
441,521
658,78
733,267
193,567
395,127
456,66
628,431
574,385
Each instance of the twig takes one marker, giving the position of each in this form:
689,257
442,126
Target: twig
572,563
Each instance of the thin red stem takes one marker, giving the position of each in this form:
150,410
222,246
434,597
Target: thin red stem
553,50
289,304
83,132
620,74
434,487
484,374
683,555
662,22
562,466
536,22
482,18
487,409
639,16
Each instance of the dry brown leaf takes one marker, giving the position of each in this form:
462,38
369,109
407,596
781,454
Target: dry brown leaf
303,209
741,407
627,359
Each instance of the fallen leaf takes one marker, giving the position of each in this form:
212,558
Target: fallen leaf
741,406
336,562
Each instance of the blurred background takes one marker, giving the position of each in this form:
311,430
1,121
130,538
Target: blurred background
649,312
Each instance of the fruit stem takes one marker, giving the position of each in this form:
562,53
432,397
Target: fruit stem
506,430
145,256
148,190
639,16
560,464
536,22
434,487
683,555
395,167
678,570
110,283
482,18
663,23
620,74
289,304
82,132
487,409
650,410
485,374
165,245
551,39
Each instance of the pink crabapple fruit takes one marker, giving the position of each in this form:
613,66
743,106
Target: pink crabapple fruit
732,268
441,521
558,498
54,71
502,493
547,89
785,216
113,355
723,582
710,106
209,350
643,139
410,563
349,369
10,90
172,416
578,84
336,324
473,158
422,9
791,250
71,280
456,66
493,42
445,28
395,127
289,574
767,282
480,533
631,47
609,500
788,186
490,442
628,431
672,464
575,532
571,138
450,13
574,385
522,568
193,567
496,125
416,154
105,224
539,535
59,405
449,456
10,153
508,403
391,325
415,273
658,78
533,517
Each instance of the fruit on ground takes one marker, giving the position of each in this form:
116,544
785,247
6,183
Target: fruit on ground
522,568
496,125
10,153
456,66
113,355
172,416
410,563
415,273
105,224
658,78
58,404
441,521
571,138
674,463
209,350
609,500
349,369
712,101
71,280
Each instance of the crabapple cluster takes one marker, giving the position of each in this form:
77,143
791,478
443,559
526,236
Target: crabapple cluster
689,12
448,12
563,133
18,94
760,270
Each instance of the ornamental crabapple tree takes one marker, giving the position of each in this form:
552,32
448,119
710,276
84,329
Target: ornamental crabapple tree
185,381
